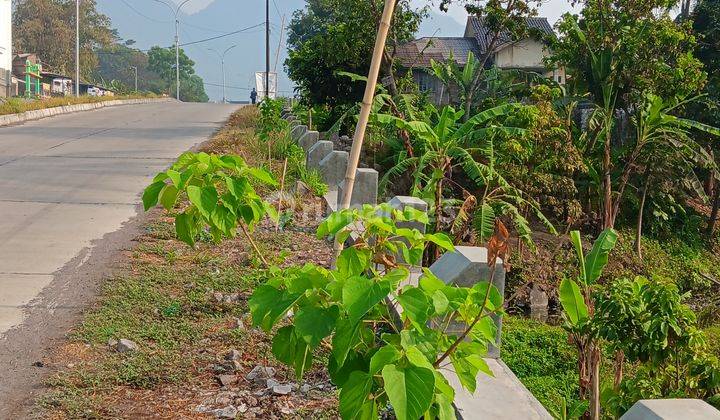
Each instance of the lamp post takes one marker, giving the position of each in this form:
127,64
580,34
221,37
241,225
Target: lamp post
176,12
222,65
77,47
136,77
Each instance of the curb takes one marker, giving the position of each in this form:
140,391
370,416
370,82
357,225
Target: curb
38,114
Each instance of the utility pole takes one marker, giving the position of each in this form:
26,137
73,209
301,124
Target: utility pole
136,84
77,47
177,43
267,49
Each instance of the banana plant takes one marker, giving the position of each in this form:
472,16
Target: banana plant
443,143
576,298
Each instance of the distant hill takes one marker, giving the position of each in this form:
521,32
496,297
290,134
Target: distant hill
150,23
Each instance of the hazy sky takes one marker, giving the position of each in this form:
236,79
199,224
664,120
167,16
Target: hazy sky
552,9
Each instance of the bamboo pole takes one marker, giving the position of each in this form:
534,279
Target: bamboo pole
282,194
359,135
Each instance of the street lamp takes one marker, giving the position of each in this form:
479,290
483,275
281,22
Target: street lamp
222,65
136,84
176,11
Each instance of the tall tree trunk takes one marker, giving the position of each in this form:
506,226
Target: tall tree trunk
608,220
595,382
619,362
712,222
638,231
710,180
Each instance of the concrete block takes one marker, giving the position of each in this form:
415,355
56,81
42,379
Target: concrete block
297,132
671,409
317,153
465,267
365,190
333,168
308,139
400,202
500,397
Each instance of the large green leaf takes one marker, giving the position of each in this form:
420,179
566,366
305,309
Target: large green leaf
290,349
185,228
359,295
314,323
205,199
597,258
577,244
572,301
267,304
354,399
415,305
353,261
151,193
467,367
409,389
346,336
484,222
386,355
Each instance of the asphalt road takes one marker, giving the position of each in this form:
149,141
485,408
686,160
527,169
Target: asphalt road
67,181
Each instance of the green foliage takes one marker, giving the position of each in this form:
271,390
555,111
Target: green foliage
162,62
543,359
220,192
332,35
270,121
441,142
648,321
376,358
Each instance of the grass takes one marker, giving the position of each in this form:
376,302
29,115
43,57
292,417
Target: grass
19,105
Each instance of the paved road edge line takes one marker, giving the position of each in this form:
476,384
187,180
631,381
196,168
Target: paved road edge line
11,119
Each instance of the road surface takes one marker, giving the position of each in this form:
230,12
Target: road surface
67,181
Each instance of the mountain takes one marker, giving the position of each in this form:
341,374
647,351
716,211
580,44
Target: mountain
151,23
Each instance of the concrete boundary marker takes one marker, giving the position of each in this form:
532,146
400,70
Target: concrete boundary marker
39,114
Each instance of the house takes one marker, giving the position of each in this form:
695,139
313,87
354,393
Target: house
5,48
525,54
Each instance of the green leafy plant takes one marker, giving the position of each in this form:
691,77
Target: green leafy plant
388,338
442,143
220,196
270,120
576,300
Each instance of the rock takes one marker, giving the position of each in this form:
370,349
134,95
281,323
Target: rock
227,380
217,297
125,346
305,388
112,342
538,304
242,408
232,298
260,374
251,401
233,355
236,365
223,400
271,383
228,412
302,189
282,389
237,324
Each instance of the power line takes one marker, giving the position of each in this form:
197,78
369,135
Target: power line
143,15
222,36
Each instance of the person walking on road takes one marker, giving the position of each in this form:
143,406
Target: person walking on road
253,96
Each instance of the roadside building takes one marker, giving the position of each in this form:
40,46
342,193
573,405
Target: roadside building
6,60
525,54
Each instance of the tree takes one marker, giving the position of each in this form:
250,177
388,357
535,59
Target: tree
706,26
162,62
47,28
116,62
619,54
332,35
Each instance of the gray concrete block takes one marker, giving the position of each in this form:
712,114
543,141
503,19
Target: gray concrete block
297,132
365,190
500,397
333,168
317,153
671,409
400,202
308,139
467,266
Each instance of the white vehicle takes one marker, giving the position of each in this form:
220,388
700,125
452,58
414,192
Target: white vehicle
94,91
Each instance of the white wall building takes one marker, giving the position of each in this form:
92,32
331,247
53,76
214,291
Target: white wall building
5,45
